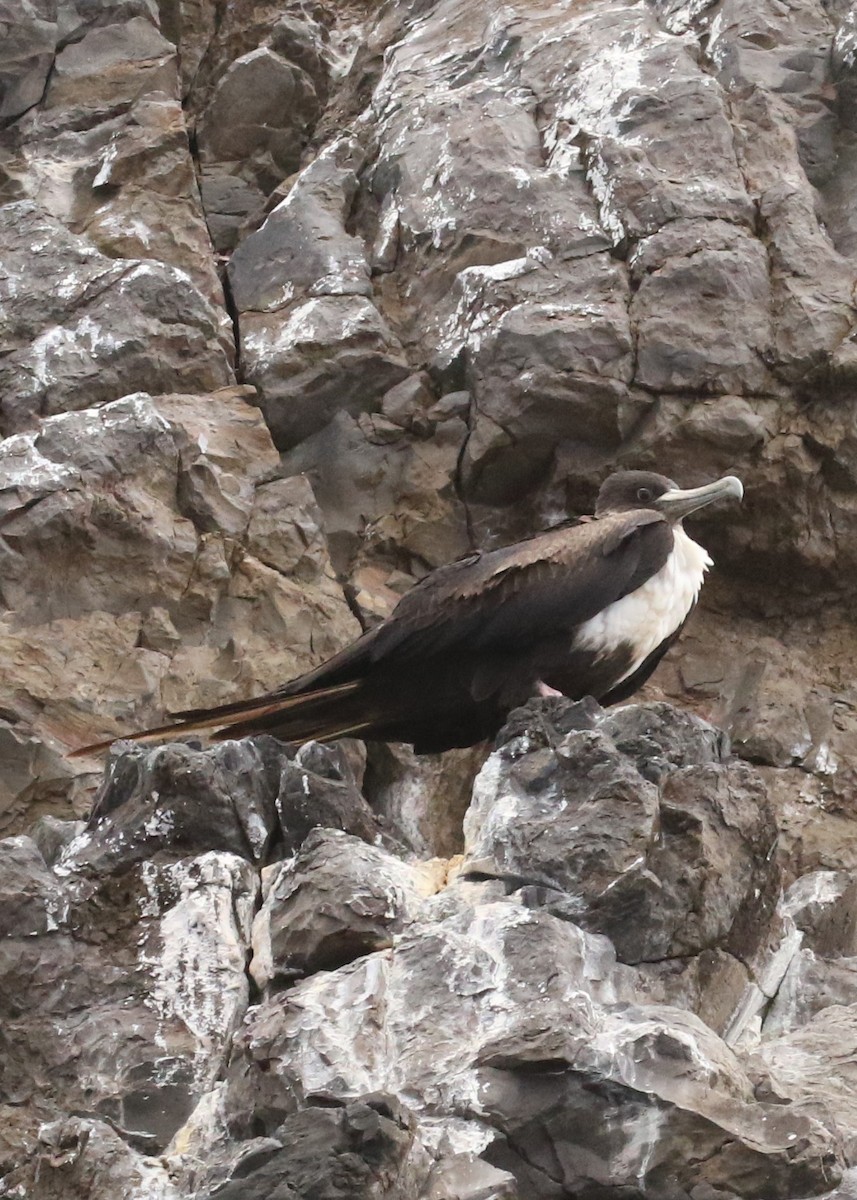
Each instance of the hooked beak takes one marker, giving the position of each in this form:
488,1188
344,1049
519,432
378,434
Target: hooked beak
681,502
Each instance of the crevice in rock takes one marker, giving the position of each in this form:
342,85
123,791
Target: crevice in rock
137,1139
518,1149
36,103
235,318
349,592
458,478
220,9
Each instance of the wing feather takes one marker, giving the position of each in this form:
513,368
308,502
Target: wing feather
554,582
550,583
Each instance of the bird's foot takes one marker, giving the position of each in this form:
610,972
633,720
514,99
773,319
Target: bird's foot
543,689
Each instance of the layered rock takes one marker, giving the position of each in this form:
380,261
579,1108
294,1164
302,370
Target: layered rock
146,510
421,1024
298,301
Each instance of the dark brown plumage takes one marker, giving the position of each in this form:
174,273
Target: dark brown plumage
479,636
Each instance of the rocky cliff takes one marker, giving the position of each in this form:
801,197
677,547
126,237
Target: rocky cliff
297,301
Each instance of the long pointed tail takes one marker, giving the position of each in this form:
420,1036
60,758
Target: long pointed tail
322,714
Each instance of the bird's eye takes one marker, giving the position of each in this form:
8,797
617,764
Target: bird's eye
644,494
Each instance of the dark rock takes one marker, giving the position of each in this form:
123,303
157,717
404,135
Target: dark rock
359,1150
408,404
715,985
573,335
325,794
30,900
255,81
255,1100
27,55
337,900
184,801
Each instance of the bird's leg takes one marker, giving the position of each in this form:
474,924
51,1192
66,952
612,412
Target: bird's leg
543,689
543,721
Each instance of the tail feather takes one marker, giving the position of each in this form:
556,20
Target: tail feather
314,714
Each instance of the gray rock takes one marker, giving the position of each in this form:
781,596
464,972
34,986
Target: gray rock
506,249
254,87
261,108
132,992
52,836
126,182
618,823
27,55
385,487
823,905
286,530
570,328
725,306
301,389
823,972
466,1177
302,249
229,203
90,329
337,900
811,1067
422,796
812,986
357,1150
112,65
77,1156
522,1024
143,506
30,902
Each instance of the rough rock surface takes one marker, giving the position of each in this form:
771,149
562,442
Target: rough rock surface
297,301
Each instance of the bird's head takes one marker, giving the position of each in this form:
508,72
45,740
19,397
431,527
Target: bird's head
625,491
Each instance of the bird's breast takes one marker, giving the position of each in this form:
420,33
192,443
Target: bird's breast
643,619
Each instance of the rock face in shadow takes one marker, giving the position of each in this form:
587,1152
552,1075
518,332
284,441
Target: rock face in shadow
297,302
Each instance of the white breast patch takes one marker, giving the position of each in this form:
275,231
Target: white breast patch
643,618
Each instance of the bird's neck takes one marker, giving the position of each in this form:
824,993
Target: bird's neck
692,558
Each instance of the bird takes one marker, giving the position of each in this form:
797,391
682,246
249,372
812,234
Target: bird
587,608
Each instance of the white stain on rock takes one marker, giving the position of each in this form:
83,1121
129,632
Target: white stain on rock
197,962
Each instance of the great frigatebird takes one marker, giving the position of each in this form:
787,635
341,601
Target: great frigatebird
586,609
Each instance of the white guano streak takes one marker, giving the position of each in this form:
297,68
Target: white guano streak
656,609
